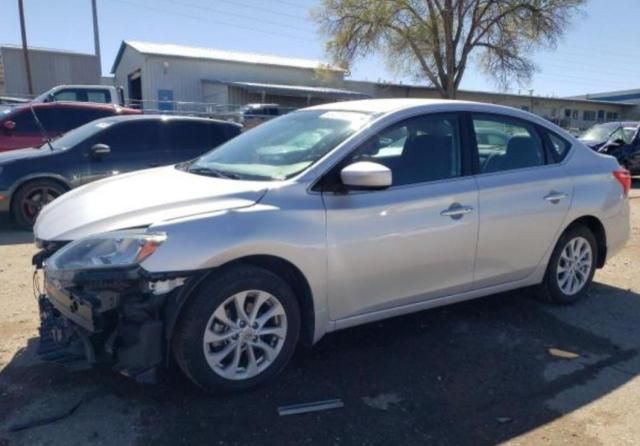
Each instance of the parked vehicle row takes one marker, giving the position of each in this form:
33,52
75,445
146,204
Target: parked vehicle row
31,125
319,220
31,178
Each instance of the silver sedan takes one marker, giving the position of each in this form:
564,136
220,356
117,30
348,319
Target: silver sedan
319,220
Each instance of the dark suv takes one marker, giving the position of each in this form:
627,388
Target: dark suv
619,139
31,178
19,128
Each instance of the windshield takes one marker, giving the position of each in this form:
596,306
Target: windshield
600,132
281,148
78,135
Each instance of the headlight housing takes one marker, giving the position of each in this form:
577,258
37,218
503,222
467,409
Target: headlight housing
110,250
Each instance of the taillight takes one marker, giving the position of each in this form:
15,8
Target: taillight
624,178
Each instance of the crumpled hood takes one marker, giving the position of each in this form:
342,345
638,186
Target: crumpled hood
140,199
13,155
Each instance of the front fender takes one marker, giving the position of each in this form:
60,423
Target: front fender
207,242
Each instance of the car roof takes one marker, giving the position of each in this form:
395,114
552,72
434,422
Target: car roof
380,105
153,117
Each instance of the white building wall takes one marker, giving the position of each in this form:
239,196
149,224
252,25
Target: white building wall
184,76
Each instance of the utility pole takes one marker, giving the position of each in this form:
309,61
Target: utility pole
25,49
96,35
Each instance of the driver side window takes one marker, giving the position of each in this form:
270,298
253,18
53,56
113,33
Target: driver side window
417,150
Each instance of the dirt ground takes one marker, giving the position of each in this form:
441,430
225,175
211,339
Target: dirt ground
475,373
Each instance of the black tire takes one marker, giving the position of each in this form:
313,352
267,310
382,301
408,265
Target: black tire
24,214
549,290
187,341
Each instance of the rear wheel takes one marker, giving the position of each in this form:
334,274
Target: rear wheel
238,330
30,198
571,267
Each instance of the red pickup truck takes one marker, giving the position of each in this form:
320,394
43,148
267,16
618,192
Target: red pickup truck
19,128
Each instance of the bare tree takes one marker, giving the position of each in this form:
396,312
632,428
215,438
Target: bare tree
435,38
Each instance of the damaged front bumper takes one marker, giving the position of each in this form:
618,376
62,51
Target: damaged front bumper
120,316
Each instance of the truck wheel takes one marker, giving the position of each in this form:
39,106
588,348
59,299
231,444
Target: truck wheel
30,198
238,329
571,267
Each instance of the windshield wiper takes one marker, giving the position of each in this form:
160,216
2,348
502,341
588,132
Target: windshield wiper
199,170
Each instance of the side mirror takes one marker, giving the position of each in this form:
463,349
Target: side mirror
99,150
366,175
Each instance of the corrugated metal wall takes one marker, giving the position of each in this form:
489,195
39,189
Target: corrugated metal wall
48,69
184,76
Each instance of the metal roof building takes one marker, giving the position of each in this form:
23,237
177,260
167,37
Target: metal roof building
184,78
169,77
49,67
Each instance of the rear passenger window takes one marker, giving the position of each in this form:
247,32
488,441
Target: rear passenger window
66,95
75,117
559,146
221,133
506,144
99,96
189,136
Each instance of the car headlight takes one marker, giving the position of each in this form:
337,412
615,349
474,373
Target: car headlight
110,250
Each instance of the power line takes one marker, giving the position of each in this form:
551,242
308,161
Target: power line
207,20
295,5
233,14
268,11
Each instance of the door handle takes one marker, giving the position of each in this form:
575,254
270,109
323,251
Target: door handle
555,197
154,164
456,211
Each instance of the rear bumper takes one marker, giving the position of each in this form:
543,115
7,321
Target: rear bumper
110,317
618,230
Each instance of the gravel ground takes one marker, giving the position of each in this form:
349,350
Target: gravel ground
474,373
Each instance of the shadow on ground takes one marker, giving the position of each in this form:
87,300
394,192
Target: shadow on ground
10,234
474,373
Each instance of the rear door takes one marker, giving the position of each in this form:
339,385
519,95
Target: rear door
524,195
134,145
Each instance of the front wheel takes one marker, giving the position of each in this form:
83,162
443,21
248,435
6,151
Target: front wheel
239,329
571,267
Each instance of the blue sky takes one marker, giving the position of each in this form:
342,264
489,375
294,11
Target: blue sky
598,53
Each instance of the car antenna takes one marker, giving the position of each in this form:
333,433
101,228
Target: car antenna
42,129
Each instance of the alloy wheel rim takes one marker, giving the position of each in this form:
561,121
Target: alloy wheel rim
574,266
36,200
245,335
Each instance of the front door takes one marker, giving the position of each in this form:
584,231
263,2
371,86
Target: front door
413,241
524,198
